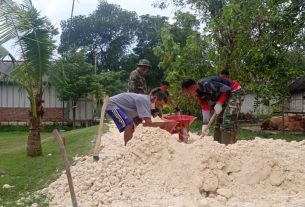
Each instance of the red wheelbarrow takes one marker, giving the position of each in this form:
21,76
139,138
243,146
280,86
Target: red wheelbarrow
166,125
183,125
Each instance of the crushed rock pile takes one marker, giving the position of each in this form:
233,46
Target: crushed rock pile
154,170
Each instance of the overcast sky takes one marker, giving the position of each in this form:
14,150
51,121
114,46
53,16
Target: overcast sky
57,10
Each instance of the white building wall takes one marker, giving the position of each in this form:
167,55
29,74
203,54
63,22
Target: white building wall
12,96
248,106
84,111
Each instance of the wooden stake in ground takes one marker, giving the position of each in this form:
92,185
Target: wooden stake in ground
96,151
209,125
67,166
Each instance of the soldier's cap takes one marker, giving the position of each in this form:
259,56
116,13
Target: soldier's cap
144,62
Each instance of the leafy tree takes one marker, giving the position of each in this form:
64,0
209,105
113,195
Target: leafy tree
112,82
255,40
184,59
185,25
148,35
266,36
109,28
122,37
74,78
33,36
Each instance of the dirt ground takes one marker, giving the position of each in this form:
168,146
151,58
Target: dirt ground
155,170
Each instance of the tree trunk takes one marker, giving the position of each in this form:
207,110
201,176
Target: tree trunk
283,118
74,112
34,147
63,114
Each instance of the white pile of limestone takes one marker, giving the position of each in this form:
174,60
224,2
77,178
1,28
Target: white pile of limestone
154,170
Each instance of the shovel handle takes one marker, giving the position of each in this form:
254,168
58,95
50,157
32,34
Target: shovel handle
209,124
96,150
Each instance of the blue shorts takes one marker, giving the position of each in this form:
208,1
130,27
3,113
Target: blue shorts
120,118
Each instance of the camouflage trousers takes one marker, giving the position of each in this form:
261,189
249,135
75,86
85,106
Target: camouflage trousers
226,123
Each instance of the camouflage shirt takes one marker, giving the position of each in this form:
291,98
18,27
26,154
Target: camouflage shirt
137,83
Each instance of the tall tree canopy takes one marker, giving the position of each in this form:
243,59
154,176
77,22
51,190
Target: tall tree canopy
109,28
255,41
183,54
148,35
74,78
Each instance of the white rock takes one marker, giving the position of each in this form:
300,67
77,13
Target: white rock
221,199
276,178
225,192
7,186
34,205
210,182
203,202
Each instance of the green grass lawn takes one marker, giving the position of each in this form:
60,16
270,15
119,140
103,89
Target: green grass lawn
244,134
29,174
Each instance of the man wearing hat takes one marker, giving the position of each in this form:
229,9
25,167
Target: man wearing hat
137,82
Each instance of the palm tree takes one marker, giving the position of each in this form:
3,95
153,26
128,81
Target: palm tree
32,35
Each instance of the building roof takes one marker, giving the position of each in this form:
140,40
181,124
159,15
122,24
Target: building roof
297,86
6,67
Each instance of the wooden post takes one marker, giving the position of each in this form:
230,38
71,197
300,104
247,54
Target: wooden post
64,142
96,150
57,137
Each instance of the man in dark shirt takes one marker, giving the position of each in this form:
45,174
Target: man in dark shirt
164,89
213,92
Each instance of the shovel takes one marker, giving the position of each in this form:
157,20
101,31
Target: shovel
97,147
205,132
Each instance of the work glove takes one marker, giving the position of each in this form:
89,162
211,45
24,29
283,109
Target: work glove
204,130
218,108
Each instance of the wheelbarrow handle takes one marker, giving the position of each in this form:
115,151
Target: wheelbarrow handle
209,125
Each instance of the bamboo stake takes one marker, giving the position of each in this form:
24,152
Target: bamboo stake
58,139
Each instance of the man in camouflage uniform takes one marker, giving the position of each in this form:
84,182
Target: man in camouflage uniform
214,92
231,112
137,82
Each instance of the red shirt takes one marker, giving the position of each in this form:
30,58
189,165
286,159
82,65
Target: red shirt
235,85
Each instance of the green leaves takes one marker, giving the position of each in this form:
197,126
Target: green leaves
260,42
33,35
112,82
73,77
183,54
109,28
